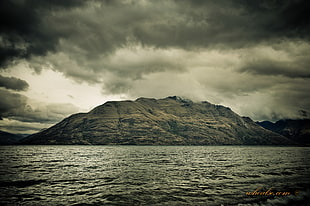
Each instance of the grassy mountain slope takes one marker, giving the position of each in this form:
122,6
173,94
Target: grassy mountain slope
169,121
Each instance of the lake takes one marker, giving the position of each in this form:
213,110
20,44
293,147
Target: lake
154,175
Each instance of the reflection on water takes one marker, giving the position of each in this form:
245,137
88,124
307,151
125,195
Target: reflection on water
153,175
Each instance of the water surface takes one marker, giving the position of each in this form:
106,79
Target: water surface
153,175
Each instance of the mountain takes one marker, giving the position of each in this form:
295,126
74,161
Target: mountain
296,130
8,138
168,121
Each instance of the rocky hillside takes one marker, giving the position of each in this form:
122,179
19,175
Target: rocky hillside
168,121
296,130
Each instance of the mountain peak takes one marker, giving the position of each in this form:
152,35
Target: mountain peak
179,99
145,99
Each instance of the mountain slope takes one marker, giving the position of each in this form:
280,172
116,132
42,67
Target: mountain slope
8,138
169,121
296,130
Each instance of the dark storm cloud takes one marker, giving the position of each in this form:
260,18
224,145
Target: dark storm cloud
272,17
22,31
10,102
270,67
13,83
287,59
96,27
15,106
225,23
93,35
289,17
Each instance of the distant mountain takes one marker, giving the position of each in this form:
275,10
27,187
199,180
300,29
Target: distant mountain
8,138
168,121
296,130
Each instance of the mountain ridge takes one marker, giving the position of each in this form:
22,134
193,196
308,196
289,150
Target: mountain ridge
7,138
297,130
147,121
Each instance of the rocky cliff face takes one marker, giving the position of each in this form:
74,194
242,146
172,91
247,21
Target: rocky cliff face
296,130
145,121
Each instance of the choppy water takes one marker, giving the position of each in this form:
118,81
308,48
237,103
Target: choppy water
153,175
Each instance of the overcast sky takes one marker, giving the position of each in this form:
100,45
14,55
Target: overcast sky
62,57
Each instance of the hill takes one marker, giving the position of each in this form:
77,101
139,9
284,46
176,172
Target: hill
168,121
8,138
296,130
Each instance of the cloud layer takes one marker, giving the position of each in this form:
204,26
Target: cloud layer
93,28
15,106
13,83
